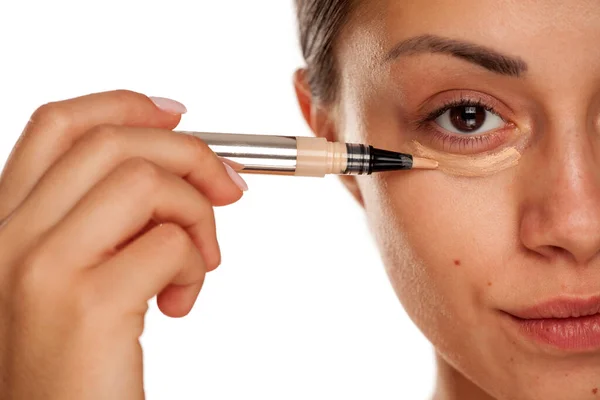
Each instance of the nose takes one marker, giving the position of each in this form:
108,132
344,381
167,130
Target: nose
560,216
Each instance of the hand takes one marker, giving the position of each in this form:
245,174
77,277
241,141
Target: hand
102,207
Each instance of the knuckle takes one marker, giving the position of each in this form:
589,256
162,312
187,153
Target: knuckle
42,290
126,95
143,174
51,114
104,138
174,237
198,148
33,277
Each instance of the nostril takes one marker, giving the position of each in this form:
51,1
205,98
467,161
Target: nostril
553,252
559,252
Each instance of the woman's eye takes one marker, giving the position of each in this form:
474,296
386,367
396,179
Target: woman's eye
469,120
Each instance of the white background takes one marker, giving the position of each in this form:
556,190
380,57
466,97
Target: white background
301,307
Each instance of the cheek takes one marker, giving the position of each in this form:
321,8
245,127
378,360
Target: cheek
442,241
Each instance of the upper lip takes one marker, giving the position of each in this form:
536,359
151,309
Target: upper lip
561,308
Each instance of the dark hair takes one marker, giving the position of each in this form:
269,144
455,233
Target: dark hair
320,23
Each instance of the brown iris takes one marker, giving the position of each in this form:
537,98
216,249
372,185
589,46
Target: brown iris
467,118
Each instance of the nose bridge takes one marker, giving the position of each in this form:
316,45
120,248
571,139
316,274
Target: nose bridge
562,206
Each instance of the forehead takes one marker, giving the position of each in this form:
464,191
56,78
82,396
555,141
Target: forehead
559,40
506,25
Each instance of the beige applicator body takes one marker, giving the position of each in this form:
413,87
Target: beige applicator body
306,156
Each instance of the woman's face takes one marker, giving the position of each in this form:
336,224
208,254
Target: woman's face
470,250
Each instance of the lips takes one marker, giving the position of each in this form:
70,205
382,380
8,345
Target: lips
565,324
561,308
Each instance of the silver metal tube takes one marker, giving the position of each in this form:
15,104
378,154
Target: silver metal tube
257,153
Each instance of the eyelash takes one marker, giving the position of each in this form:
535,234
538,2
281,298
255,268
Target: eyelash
463,102
451,142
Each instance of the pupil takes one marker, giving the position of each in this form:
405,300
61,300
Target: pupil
467,118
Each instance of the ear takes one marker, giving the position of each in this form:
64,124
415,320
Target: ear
322,123
316,115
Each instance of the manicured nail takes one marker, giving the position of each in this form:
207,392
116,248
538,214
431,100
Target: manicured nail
236,178
168,105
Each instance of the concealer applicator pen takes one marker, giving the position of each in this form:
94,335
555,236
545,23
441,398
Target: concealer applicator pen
306,156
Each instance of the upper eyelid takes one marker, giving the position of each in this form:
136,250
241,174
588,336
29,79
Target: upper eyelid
462,103
465,95
456,96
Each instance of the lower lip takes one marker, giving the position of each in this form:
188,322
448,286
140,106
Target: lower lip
575,334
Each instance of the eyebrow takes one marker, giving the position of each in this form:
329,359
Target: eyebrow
471,52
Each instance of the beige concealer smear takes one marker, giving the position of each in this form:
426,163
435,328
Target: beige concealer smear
478,165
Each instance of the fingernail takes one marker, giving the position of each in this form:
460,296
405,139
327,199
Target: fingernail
236,178
168,105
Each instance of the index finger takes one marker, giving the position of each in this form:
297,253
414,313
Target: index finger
54,127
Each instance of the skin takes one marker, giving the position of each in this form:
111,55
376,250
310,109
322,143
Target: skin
73,314
460,251
525,234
